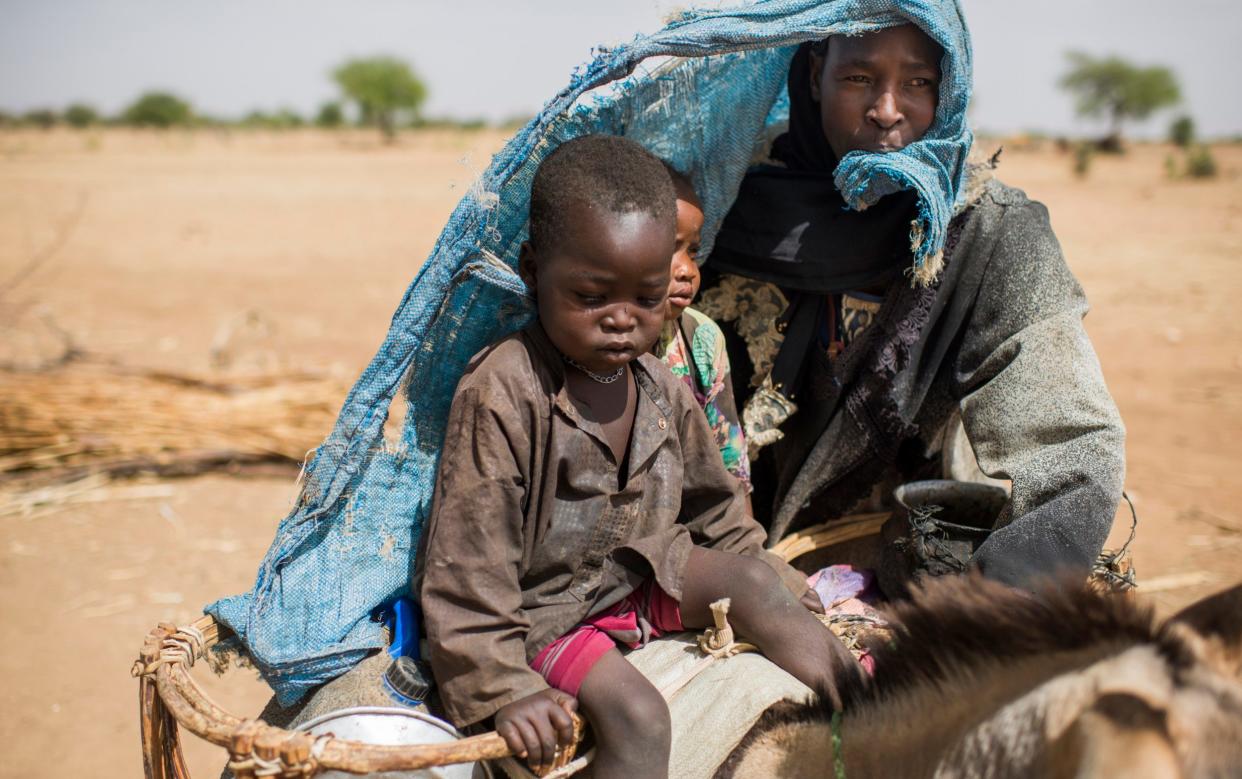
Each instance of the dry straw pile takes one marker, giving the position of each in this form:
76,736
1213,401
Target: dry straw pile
85,420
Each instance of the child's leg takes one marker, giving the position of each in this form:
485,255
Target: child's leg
764,612
629,718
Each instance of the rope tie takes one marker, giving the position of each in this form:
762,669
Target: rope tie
182,645
257,749
1114,571
719,641
273,767
321,741
838,754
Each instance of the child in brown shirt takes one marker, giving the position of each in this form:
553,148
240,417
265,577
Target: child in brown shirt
581,499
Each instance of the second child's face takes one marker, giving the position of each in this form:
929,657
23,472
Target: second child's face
684,278
601,289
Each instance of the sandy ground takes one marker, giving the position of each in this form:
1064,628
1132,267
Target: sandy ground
293,250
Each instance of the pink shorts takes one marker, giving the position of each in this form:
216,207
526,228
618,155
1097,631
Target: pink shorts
648,612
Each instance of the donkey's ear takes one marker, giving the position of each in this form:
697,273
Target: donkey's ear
1217,616
1217,619
1119,735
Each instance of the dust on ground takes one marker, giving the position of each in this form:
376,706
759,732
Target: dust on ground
289,251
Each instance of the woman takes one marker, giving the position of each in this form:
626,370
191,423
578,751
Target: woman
867,331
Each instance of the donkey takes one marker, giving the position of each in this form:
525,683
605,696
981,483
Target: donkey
984,681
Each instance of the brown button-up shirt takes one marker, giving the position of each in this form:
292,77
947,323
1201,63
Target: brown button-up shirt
532,530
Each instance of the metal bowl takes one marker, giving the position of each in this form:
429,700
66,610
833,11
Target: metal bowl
393,727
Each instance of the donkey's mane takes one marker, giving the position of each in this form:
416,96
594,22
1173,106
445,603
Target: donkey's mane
964,621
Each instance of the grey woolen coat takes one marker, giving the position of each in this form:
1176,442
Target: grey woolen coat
1000,339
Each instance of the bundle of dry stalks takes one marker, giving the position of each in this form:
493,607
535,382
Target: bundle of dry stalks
85,419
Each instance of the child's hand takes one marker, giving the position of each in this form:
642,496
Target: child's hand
811,600
536,726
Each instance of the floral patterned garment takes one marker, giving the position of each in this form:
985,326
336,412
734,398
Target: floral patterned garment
754,307
693,348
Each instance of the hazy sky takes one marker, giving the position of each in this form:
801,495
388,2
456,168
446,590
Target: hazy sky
499,58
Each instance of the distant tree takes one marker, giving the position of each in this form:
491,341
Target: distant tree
330,115
1182,131
81,115
383,87
1200,163
256,119
287,118
7,119
158,109
1115,89
43,118
283,119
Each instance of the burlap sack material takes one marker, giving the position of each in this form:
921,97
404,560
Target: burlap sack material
710,714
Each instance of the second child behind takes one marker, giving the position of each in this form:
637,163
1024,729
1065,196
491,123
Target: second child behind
581,501
691,343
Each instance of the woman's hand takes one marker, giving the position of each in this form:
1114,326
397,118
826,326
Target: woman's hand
537,726
811,600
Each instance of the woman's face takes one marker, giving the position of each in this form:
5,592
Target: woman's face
877,92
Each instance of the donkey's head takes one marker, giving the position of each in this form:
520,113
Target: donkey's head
985,681
1173,709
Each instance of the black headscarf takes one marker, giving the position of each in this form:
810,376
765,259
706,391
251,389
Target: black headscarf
789,224
803,146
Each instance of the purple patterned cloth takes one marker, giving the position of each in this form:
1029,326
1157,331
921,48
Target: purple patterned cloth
838,583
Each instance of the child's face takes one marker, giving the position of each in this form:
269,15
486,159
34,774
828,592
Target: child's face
601,288
877,92
683,282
